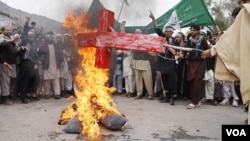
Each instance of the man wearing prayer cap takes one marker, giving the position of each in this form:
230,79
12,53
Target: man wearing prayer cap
138,31
51,66
50,33
142,67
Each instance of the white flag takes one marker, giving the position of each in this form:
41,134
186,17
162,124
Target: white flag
173,21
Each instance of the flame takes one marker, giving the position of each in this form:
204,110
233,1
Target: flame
93,96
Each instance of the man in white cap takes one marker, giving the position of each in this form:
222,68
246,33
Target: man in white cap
142,68
166,63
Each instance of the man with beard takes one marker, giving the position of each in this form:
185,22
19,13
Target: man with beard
8,57
51,64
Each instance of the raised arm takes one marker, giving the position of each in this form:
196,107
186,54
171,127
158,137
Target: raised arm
153,20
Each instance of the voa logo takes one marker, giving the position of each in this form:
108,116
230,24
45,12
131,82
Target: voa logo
236,132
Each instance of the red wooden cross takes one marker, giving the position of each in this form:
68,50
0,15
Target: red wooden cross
104,39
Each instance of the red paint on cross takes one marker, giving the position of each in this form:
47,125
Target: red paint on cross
105,39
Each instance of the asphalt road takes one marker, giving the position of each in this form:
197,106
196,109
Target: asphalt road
148,120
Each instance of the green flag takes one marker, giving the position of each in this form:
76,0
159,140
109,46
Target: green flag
188,11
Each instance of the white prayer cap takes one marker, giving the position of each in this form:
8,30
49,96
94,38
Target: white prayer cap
66,34
30,33
16,36
138,31
58,35
203,32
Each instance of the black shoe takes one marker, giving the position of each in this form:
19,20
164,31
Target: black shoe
57,97
25,101
157,94
36,98
6,101
46,97
164,100
172,101
14,97
214,102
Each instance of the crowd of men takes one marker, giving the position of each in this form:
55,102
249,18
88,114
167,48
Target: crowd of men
176,74
34,65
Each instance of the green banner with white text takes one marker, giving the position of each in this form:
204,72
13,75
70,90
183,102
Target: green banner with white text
189,12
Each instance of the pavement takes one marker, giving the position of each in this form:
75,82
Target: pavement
148,120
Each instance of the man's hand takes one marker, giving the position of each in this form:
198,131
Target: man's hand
206,54
35,67
62,64
151,15
124,22
16,39
24,48
28,19
7,65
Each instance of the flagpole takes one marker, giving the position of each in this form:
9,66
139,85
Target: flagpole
120,10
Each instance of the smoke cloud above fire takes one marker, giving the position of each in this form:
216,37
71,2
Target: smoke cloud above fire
136,13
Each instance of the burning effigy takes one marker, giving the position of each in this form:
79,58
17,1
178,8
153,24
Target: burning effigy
94,103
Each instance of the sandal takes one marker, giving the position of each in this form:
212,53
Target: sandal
34,96
191,106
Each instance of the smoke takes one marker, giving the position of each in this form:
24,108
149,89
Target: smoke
137,13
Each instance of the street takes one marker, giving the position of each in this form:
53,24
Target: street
148,120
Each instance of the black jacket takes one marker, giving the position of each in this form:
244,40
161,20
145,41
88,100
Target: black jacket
8,50
44,51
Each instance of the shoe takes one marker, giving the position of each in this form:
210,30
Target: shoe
57,97
175,96
13,97
172,101
118,93
246,121
214,102
125,95
138,97
7,101
164,100
235,103
34,97
46,96
150,97
199,103
25,101
225,101
191,106
157,94
129,95
65,95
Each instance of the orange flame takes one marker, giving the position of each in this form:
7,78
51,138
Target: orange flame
93,97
